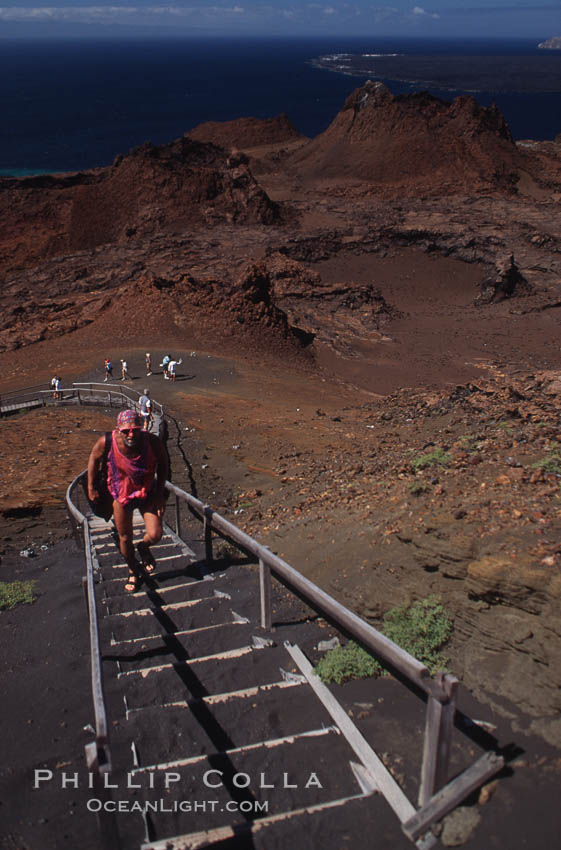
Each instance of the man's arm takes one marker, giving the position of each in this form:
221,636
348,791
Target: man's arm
93,467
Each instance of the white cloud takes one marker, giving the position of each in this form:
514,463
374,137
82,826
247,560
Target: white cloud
418,10
64,13
101,14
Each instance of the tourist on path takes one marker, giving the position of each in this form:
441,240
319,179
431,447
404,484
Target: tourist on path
165,363
108,368
172,367
124,371
145,405
137,469
148,364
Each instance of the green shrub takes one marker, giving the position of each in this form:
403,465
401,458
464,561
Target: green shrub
438,457
421,628
226,551
14,592
347,662
417,489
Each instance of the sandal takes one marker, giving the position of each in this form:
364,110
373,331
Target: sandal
146,557
132,583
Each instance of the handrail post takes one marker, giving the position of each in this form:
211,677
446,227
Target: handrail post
177,517
106,819
439,725
265,593
207,527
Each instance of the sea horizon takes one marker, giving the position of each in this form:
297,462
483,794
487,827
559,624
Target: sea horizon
75,104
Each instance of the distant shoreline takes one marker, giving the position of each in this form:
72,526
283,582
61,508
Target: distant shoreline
551,43
501,74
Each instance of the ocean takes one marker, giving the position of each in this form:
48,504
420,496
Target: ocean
71,105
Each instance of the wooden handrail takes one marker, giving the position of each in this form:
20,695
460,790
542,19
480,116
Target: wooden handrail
103,760
379,644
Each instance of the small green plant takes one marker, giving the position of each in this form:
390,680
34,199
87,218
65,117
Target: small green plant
13,593
347,662
469,443
505,426
417,488
421,628
225,551
551,463
438,457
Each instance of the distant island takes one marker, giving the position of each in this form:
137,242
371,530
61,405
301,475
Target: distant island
551,43
471,73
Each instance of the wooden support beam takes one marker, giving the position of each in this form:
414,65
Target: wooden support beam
383,779
177,517
110,839
439,725
265,593
448,797
207,525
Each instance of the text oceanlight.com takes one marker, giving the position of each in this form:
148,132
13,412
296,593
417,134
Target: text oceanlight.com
161,805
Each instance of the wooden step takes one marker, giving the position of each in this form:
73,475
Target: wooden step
273,776
196,678
161,596
348,823
180,646
202,726
189,614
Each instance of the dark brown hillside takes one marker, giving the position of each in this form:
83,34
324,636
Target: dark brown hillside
246,132
182,185
413,142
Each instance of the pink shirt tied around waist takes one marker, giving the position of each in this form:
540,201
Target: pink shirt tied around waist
131,478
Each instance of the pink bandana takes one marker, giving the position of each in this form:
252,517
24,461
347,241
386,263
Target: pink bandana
128,419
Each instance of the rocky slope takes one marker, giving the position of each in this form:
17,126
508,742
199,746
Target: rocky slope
413,143
454,492
246,132
166,189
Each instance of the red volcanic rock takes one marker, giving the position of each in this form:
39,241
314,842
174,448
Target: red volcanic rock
284,293
246,132
506,282
170,188
413,142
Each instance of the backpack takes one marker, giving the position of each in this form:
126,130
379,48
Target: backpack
102,507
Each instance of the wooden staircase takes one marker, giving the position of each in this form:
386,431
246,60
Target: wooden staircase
217,736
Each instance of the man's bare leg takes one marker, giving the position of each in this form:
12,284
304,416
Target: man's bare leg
153,534
123,523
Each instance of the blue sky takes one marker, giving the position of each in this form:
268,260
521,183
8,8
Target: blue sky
441,18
